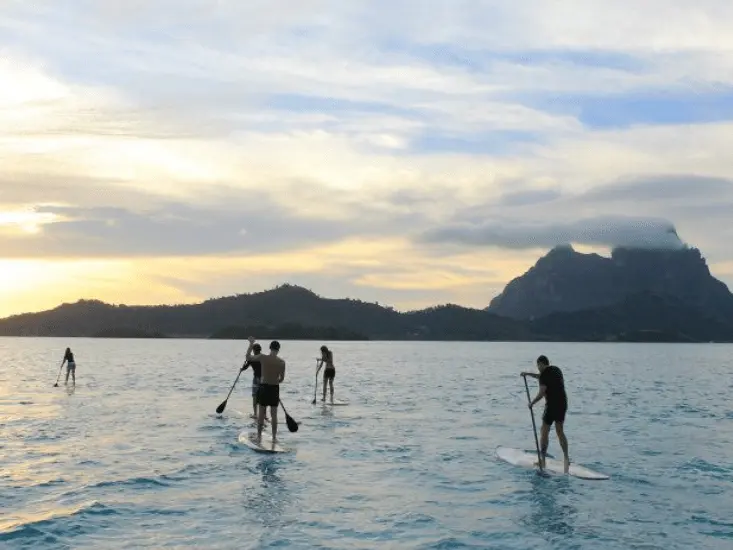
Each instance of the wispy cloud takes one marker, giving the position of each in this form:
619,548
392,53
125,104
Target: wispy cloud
603,231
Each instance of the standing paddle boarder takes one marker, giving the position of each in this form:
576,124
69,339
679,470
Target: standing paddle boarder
70,366
256,377
272,375
552,388
329,373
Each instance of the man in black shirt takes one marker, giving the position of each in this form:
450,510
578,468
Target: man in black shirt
552,388
256,377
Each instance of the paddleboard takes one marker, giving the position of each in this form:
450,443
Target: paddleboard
525,459
334,403
265,445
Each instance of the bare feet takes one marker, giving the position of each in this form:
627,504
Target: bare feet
567,464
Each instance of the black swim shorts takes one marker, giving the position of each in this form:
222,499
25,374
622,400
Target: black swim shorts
268,395
329,373
554,413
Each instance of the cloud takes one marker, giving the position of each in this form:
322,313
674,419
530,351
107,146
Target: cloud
605,231
680,188
631,211
177,229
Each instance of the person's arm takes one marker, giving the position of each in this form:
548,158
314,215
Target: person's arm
320,364
540,395
282,374
249,349
532,374
245,366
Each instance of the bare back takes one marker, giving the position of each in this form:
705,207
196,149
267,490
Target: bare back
273,369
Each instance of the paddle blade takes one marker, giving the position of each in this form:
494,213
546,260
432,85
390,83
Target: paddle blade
292,424
220,408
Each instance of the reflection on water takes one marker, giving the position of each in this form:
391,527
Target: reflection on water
267,501
551,511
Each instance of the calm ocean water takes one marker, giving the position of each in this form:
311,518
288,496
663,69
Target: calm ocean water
136,457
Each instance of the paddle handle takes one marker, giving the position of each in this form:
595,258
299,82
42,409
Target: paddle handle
534,426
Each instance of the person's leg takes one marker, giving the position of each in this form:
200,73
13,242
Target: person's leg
544,442
560,430
330,385
73,376
325,384
66,380
273,420
260,420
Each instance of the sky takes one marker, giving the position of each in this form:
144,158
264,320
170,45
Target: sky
406,153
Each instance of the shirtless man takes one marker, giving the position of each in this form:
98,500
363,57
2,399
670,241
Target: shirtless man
552,388
268,395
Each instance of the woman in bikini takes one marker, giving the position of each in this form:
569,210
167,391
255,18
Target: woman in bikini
329,373
70,366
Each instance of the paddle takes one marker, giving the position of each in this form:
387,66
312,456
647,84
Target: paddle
315,387
292,424
534,426
56,385
220,408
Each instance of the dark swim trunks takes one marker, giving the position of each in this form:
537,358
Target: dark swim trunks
268,395
554,413
329,373
556,400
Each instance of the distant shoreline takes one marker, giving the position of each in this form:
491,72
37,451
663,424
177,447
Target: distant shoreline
395,340
295,313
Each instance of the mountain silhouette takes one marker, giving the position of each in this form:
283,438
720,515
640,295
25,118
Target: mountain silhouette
635,295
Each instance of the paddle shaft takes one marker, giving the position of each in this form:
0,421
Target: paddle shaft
222,406
534,426
59,376
232,388
315,386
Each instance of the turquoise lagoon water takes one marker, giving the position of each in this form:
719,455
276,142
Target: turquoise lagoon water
135,456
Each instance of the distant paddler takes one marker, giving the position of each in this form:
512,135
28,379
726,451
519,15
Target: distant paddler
70,366
329,373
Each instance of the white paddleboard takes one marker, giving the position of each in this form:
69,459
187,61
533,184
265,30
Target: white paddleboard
518,457
264,446
328,403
